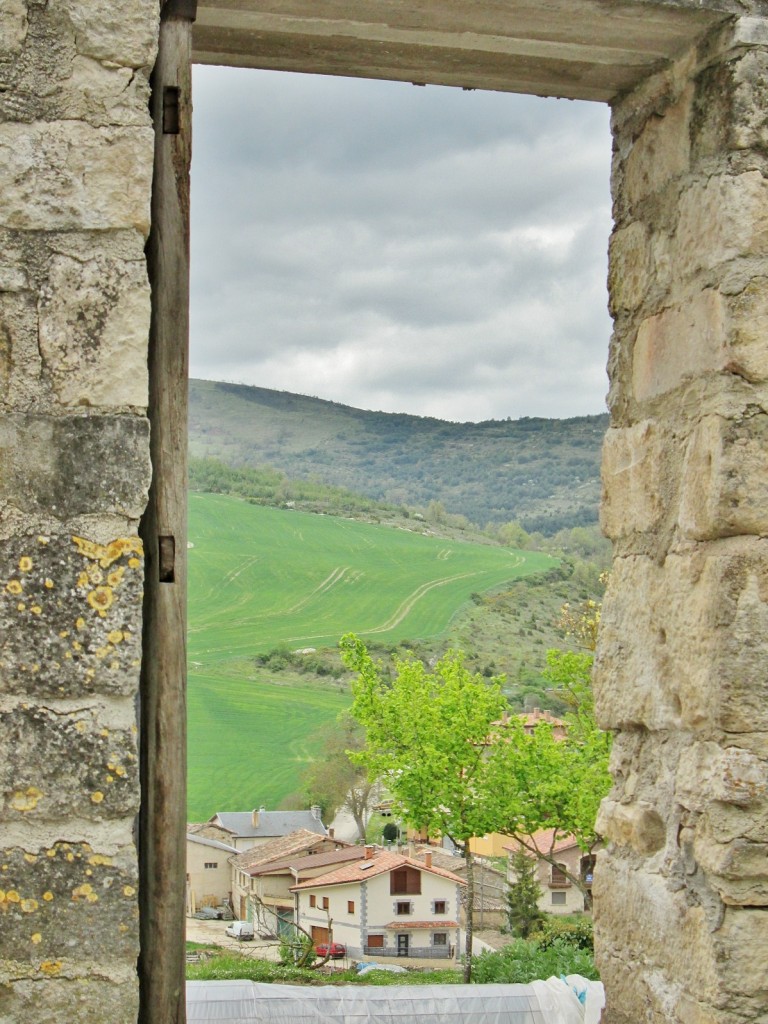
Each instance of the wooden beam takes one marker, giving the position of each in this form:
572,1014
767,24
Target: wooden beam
162,738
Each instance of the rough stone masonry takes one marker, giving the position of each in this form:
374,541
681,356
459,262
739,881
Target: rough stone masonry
76,149
682,892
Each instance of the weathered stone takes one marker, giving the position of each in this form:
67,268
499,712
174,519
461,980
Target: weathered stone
65,175
13,28
639,479
70,616
629,267
67,902
748,331
661,153
724,489
124,36
694,654
48,992
75,465
94,316
708,772
684,341
719,220
637,825
89,768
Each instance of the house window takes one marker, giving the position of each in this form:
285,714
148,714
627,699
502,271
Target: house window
405,882
312,900
558,899
350,906
559,876
375,942
325,903
403,907
440,939
211,864
438,907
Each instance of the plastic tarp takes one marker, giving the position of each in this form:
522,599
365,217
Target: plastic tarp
245,1002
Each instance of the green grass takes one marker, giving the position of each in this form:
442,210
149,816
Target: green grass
260,578
225,966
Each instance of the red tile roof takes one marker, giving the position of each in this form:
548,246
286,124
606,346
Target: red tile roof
380,863
542,840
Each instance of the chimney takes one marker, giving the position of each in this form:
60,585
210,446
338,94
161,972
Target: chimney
428,859
331,833
255,816
368,853
316,811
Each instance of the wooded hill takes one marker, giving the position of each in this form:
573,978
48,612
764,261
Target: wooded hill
542,472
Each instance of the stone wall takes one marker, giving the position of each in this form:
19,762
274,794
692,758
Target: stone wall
76,149
681,896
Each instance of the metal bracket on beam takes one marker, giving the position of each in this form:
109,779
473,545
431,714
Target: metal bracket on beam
182,9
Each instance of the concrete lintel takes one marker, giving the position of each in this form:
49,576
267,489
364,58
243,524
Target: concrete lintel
584,49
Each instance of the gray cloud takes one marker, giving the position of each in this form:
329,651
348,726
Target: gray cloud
408,249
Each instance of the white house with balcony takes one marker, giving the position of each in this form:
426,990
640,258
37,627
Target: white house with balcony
385,905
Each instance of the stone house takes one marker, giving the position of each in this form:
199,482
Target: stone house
255,828
244,867
209,875
559,895
385,905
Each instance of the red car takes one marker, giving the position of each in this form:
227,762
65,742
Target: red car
338,950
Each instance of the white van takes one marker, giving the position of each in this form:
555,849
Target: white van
240,930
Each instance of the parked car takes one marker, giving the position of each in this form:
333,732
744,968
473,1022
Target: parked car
240,930
338,950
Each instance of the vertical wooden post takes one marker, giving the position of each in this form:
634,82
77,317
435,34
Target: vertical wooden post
162,820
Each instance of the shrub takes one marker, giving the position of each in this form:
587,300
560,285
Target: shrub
576,931
524,961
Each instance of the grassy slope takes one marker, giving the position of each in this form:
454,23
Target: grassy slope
262,577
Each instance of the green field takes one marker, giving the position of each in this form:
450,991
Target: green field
263,577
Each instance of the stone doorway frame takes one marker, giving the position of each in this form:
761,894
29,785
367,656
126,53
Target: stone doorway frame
662,100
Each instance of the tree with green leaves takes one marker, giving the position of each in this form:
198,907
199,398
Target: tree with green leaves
428,738
523,895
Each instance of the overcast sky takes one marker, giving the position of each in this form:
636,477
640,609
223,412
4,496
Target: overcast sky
422,250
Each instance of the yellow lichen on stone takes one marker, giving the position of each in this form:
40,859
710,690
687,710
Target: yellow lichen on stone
115,636
101,599
115,578
35,609
47,896
13,587
30,858
81,726
21,607
37,938
48,583
100,859
64,634
51,852
26,800
51,967
29,906
133,563
80,623
108,779
106,555
12,896
97,797
85,892
25,563
128,890
43,540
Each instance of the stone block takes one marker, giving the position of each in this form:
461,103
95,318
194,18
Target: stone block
70,617
125,35
724,488
638,470
683,644
708,772
637,825
720,219
102,996
75,465
738,869
662,151
629,267
13,28
67,764
681,342
93,331
69,176
748,331
68,902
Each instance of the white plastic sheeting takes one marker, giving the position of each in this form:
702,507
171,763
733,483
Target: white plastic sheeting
247,1002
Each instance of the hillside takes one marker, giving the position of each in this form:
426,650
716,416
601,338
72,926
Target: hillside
270,593
544,473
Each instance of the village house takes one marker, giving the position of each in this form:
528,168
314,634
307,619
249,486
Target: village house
559,895
208,872
244,868
385,905
254,828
